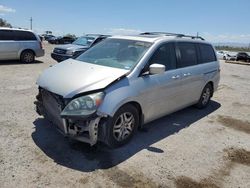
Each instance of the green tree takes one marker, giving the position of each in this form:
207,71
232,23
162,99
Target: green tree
231,48
4,23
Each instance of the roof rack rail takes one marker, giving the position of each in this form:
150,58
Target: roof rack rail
173,34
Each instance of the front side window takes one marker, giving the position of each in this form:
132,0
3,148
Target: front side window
117,53
207,53
187,54
165,55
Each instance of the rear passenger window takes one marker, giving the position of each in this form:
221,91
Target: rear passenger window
6,35
207,53
165,55
187,54
24,35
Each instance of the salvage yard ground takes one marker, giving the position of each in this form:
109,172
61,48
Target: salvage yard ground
190,148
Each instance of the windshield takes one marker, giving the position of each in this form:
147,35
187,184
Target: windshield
118,53
84,41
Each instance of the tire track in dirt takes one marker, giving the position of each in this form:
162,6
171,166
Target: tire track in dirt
236,124
125,179
232,157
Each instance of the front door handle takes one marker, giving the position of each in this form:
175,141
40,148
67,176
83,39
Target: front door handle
176,77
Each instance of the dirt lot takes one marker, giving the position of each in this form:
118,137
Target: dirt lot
190,148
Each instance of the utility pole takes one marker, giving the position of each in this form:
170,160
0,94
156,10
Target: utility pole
197,34
31,23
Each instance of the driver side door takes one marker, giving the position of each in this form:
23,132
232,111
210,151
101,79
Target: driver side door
161,92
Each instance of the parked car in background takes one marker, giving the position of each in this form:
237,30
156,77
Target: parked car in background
230,56
61,40
243,56
47,36
123,82
79,46
220,54
20,44
226,55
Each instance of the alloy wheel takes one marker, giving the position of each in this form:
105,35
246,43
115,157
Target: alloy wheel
123,126
28,57
206,96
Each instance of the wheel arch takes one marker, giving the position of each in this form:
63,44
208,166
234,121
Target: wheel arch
139,108
23,50
212,85
137,105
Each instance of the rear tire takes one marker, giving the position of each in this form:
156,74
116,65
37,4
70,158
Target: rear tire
122,126
205,97
27,56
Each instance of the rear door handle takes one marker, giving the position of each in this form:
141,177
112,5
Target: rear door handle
187,74
176,77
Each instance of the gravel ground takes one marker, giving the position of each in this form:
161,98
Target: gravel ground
190,148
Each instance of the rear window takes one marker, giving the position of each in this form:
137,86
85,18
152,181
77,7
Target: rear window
187,54
24,35
207,53
6,35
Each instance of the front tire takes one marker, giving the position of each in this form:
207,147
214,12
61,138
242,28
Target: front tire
122,126
206,95
27,56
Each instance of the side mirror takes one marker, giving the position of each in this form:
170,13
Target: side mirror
157,69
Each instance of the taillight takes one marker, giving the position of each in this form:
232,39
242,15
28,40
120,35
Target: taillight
41,45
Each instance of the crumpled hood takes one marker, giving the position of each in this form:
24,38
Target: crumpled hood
72,77
72,47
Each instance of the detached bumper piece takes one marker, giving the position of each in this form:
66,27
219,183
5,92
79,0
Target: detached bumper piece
50,106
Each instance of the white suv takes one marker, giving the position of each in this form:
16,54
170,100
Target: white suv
19,44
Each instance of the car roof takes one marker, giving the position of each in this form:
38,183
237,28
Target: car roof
96,35
137,37
154,38
15,29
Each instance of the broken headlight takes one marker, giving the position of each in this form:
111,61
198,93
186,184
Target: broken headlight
83,106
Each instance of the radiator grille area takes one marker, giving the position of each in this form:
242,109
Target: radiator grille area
53,105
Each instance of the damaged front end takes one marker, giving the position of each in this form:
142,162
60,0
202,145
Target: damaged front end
75,118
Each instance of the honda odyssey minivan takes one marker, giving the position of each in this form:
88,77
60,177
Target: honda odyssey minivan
124,82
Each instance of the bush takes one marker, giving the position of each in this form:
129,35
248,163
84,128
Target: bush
231,48
4,23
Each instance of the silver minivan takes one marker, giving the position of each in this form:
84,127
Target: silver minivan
124,82
19,44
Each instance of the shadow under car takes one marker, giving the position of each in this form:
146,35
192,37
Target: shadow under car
83,157
16,62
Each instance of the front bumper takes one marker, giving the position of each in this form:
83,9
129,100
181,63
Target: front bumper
50,106
60,57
